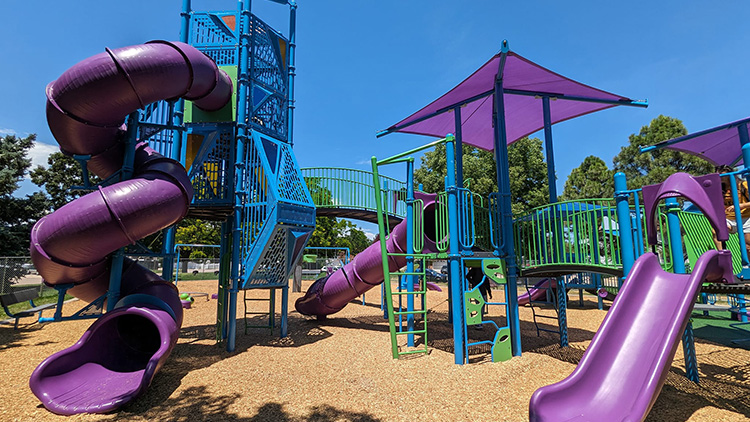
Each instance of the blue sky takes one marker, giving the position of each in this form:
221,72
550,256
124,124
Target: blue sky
364,65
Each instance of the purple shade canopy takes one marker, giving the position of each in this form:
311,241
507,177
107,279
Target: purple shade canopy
719,145
524,84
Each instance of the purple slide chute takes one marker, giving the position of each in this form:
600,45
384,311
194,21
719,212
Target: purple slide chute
118,356
539,290
330,294
625,366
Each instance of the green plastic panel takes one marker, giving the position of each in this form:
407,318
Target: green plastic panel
228,113
501,350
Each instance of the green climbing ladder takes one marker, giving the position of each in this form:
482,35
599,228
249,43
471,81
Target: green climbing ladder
270,313
406,323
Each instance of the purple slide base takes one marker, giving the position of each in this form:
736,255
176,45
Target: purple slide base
117,357
625,366
85,379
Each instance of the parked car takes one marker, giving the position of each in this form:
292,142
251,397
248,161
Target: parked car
434,276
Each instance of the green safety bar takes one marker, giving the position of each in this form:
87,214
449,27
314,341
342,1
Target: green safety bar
442,239
699,239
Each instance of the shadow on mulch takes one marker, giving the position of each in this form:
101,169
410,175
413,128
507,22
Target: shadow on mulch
10,338
196,403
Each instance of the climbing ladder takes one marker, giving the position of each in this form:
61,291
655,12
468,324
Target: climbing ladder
540,309
260,302
408,321
493,270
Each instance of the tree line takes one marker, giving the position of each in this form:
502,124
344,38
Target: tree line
528,184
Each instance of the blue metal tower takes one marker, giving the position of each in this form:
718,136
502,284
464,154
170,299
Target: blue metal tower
240,158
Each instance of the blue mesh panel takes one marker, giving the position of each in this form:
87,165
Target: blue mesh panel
291,184
269,79
272,268
213,37
151,129
211,172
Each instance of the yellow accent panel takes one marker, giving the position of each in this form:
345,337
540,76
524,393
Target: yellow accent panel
193,146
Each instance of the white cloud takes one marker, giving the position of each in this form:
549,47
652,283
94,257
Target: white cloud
39,153
370,234
4,131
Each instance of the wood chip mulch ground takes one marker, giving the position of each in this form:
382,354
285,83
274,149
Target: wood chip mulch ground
341,369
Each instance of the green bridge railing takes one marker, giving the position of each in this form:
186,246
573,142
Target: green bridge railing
342,188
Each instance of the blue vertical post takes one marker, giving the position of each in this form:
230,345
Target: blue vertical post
675,249
506,248
292,69
410,278
176,149
459,148
454,256
243,79
225,247
623,220
549,151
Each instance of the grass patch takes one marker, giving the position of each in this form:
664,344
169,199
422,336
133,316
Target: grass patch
46,296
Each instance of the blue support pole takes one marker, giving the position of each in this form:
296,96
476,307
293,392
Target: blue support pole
243,79
459,148
178,111
675,249
454,256
549,151
506,248
410,279
623,220
292,69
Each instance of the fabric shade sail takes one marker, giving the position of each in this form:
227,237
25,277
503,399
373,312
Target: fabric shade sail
720,145
525,83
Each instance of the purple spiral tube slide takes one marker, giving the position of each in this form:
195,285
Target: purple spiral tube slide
118,356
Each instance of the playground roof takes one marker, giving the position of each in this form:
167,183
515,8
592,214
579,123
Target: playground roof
524,84
719,145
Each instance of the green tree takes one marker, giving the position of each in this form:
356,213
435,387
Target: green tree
325,232
14,161
527,168
350,236
63,173
592,179
198,232
528,175
655,166
17,215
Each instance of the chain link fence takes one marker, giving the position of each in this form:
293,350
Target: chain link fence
17,272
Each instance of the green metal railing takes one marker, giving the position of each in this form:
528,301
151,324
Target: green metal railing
579,233
332,187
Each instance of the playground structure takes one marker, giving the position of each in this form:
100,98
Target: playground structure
240,166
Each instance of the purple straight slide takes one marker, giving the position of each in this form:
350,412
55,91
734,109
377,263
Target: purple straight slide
539,290
118,356
624,368
330,294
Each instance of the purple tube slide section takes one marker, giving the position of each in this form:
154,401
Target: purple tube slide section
118,356
539,290
624,368
330,294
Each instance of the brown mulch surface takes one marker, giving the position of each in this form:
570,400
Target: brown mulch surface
341,369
